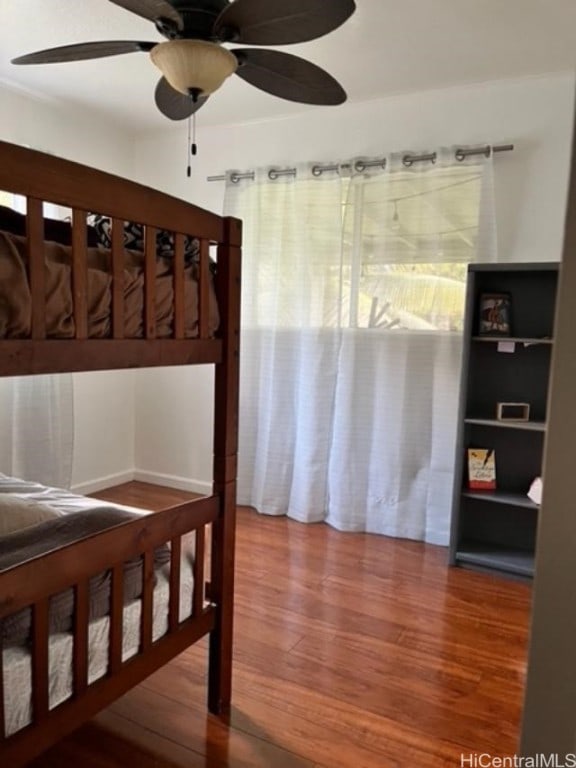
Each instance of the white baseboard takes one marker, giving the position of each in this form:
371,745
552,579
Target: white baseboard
154,478
101,483
173,481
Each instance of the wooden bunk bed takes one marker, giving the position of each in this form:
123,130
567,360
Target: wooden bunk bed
32,584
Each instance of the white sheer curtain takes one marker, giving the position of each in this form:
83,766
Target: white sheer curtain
38,428
352,312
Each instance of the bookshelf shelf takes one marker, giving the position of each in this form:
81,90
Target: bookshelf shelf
501,497
525,340
507,560
534,426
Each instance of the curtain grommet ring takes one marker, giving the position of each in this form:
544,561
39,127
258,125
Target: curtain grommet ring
407,161
359,166
460,155
433,158
272,174
317,171
234,178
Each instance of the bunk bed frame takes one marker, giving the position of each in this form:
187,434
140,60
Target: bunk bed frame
40,177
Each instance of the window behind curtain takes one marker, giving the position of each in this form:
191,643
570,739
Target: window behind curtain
388,250
408,237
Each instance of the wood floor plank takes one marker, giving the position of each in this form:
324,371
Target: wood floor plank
111,741
191,727
145,495
315,725
351,651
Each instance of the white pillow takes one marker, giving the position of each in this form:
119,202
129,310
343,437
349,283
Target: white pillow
17,513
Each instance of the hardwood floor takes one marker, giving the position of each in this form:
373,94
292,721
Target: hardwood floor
351,651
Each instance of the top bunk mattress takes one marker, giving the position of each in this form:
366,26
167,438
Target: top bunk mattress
16,296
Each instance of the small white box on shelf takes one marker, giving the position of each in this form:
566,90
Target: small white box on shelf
513,412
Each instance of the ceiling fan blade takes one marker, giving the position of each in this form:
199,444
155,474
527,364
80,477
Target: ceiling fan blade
84,51
176,105
152,10
281,22
288,76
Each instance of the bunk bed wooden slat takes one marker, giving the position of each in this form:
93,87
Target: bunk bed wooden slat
116,618
147,601
179,326
40,660
2,708
199,573
35,236
204,290
80,273
117,279
174,600
150,283
81,618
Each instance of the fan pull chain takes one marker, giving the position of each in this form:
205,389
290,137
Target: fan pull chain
191,143
189,169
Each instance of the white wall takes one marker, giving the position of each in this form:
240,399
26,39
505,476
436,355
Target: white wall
103,430
174,417
64,130
535,114
104,402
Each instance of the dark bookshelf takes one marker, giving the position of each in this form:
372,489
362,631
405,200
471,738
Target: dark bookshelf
495,530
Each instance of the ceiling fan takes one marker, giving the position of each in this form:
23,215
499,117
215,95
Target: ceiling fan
194,62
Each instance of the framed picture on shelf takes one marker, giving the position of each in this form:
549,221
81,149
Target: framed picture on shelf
494,314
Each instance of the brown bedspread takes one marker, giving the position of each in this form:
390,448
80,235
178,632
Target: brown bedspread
16,300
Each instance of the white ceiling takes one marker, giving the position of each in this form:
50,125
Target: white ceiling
387,47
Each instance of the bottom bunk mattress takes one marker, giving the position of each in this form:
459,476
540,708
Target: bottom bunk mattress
16,656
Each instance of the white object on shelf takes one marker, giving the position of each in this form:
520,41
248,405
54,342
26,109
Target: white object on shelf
513,411
535,492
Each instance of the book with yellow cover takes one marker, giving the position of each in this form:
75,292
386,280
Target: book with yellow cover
481,469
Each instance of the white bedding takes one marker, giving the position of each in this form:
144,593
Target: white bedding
17,660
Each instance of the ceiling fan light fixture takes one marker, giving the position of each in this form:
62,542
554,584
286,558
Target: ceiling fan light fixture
194,66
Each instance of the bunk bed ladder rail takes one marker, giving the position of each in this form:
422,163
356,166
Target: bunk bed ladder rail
225,469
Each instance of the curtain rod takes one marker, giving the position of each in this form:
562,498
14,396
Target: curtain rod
361,165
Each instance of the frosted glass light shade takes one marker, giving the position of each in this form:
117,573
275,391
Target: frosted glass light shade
194,64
